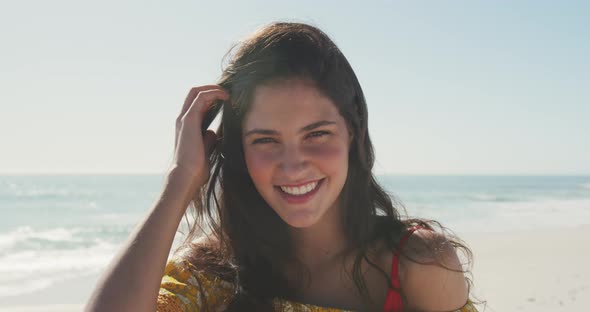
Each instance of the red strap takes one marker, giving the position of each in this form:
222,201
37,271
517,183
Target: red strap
393,302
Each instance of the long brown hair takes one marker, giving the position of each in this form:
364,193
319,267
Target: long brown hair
252,245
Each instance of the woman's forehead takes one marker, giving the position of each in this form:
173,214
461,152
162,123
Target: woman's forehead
285,105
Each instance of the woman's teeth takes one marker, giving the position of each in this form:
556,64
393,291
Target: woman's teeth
300,190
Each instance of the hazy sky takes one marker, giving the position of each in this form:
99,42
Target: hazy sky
453,87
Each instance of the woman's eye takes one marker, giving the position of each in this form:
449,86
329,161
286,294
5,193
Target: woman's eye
262,141
318,133
312,135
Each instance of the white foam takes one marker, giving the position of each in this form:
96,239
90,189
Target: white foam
26,191
7,288
23,233
485,197
37,269
522,215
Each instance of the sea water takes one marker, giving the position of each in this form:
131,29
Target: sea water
57,227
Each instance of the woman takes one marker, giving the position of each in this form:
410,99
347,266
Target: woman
294,218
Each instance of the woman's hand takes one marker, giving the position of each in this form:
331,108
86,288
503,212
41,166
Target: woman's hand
138,268
191,147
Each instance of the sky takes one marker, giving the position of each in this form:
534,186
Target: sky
452,87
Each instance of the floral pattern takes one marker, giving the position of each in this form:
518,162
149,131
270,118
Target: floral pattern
184,288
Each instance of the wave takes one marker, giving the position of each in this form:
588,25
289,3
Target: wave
33,267
24,233
11,190
46,193
37,270
490,198
513,215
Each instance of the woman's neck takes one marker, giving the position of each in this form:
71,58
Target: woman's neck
321,243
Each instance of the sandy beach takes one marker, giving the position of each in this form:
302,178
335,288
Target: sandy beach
67,296
539,271
533,271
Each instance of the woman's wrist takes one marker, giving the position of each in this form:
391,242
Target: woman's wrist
181,184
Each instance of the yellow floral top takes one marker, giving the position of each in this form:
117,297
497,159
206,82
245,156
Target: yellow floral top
189,290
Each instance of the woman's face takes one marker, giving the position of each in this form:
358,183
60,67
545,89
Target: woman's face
296,148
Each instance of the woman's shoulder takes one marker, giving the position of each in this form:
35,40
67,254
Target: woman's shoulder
431,273
195,279
185,287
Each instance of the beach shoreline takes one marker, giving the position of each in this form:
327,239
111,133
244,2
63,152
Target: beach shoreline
65,296
537,270
533,270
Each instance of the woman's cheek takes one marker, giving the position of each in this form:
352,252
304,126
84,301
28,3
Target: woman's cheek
259,163
330,155
329,150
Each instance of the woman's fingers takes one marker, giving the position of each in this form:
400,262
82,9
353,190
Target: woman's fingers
192,94
193,147
203,100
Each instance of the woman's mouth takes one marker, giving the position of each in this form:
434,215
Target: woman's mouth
301,193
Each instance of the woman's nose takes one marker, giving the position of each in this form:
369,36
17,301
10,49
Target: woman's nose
293,161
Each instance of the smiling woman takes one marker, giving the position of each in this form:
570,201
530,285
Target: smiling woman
306,145
297,220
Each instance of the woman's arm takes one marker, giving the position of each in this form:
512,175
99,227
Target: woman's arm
132,280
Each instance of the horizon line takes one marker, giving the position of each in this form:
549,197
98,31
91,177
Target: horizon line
4,174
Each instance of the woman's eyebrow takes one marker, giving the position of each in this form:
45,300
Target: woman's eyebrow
306,128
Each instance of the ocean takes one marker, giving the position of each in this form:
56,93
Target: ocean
53,228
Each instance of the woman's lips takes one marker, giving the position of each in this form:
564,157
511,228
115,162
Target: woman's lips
300,184
300,199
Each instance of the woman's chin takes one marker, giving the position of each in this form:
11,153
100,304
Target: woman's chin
301,219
